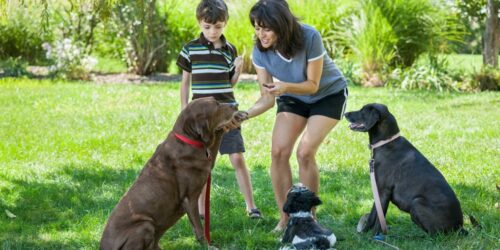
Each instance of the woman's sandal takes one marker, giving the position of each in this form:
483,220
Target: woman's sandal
254,213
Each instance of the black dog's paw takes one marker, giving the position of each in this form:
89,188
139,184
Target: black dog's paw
363,224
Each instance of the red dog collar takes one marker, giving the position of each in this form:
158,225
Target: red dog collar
193,143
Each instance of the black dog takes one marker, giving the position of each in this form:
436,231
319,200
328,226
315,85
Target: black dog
302,231
404,176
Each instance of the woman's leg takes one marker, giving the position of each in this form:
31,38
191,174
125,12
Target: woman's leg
243,179
287,129
317,129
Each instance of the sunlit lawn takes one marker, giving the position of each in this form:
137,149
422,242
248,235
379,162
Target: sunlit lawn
68,152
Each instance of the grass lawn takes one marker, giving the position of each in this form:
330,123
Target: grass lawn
69,151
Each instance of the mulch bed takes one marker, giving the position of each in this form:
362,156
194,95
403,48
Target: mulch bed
39,72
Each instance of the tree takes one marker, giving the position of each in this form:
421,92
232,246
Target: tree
491,36
485,14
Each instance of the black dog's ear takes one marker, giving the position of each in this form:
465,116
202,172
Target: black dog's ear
316,201
287,207
372,116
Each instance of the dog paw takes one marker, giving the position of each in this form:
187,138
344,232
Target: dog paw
240,116
362,223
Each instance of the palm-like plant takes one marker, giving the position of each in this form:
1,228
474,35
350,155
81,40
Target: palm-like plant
370,38
386,34
421,26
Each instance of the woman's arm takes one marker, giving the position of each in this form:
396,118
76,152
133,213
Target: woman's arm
185,84
308,87
266,100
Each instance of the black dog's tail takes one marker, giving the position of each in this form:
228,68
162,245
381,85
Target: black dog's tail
475,224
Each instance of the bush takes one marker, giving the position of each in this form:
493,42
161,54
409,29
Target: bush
143,27
21,36
386,34
421,77
488,78
13,67
70,60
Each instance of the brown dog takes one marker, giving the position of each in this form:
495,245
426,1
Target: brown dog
170,183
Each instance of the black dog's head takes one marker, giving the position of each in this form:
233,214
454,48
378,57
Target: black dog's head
300,199
375,119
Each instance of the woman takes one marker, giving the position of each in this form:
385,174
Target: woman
311,93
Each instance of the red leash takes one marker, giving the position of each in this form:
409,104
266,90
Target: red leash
207,210
198,144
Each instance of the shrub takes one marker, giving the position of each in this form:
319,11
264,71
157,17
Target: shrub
13,67
386,34
144,29
70,61
488,78
21,35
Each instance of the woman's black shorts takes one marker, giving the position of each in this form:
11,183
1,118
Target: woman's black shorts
332,106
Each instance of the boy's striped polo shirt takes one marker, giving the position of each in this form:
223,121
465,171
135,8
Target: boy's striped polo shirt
211,69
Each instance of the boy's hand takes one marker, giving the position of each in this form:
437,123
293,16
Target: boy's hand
238,64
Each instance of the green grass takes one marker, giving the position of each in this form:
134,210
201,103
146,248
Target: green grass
460,62
69,151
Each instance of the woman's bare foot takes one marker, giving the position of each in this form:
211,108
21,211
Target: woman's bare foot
280,227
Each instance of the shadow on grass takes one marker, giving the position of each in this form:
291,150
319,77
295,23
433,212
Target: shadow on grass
65,209
68,208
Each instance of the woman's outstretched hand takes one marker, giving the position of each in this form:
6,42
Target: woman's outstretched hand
238,118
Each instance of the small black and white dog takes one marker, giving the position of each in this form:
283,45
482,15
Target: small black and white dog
302,231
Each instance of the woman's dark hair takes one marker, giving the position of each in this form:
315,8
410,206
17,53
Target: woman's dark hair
276,16
212,11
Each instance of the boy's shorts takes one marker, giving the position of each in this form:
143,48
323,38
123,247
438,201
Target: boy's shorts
232,142
332,106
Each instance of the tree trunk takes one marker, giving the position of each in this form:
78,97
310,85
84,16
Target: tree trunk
491,35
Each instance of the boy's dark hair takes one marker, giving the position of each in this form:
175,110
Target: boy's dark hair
212,11
276,16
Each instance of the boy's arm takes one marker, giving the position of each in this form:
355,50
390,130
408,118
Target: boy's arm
238,66
185,84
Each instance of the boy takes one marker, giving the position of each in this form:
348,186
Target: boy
212,65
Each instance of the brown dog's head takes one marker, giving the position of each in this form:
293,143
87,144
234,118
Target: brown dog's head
375,119
203,118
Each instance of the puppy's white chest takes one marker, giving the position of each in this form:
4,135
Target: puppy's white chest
331,238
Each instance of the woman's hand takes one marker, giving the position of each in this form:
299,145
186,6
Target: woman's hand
275,88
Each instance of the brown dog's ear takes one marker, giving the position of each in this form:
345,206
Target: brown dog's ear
202,128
